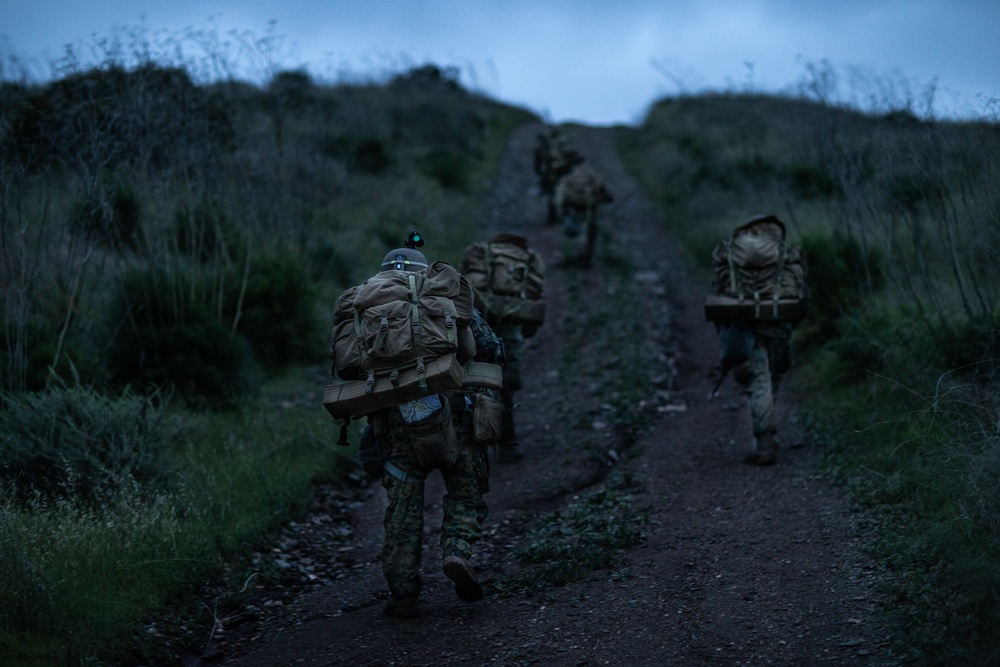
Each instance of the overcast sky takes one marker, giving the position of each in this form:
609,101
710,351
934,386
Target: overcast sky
593,61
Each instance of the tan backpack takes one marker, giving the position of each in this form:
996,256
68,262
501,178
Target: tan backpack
508,279
400,320
757,275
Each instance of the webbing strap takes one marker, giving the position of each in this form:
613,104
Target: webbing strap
359,337
383,330
415,310
449,323
342,441
400,474
422,375
777,278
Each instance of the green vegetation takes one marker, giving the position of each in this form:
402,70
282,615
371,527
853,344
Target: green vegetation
898,360
170,249
169,253
587,536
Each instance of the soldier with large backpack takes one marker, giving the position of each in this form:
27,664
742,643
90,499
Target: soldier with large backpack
578,196
759,295
554,157
508,280
402,344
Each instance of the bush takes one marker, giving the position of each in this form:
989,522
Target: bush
78,442
203,231
111,215
972,348
168,335
276,312
840,275
448,168
810,181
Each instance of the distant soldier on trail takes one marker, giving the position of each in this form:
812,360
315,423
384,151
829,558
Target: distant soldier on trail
759,295
578,196
554,158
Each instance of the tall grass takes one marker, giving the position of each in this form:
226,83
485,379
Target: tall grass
84,571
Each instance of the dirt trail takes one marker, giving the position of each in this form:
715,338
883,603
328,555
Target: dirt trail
740,565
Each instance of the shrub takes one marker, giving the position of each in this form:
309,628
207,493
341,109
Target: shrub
167,335
972,348
76,441
111,215
27,352
448,168
203,231
811,181
841,273
276,312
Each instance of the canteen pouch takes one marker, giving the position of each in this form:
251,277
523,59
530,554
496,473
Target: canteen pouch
428,424
487,418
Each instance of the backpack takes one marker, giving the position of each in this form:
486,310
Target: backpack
508,279
757,275
401,320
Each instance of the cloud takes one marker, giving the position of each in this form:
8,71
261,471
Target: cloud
587,60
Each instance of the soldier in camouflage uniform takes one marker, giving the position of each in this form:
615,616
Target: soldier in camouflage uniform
758,351
554,157
759,374
464,511
403,478
577,198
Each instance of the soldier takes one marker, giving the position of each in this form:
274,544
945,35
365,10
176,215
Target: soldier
554,158
393,435
508,279
757,264
578,196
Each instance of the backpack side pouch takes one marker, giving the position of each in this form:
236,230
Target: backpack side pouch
428,424
487,418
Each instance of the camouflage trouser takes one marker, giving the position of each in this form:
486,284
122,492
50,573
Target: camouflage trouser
761,375
464,508
513,341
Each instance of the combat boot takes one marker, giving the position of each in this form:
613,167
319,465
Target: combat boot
766,453
467,586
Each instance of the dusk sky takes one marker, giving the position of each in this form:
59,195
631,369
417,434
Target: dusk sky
592,61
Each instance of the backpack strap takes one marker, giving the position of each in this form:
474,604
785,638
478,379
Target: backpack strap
776,289
359,337
414,310
342,440
415,319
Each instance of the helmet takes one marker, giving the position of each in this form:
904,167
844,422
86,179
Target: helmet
767,222
404,259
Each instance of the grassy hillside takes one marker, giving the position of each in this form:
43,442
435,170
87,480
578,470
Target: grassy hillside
169,256
169,252
898,359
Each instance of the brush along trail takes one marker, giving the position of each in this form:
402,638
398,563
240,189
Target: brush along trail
632,533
